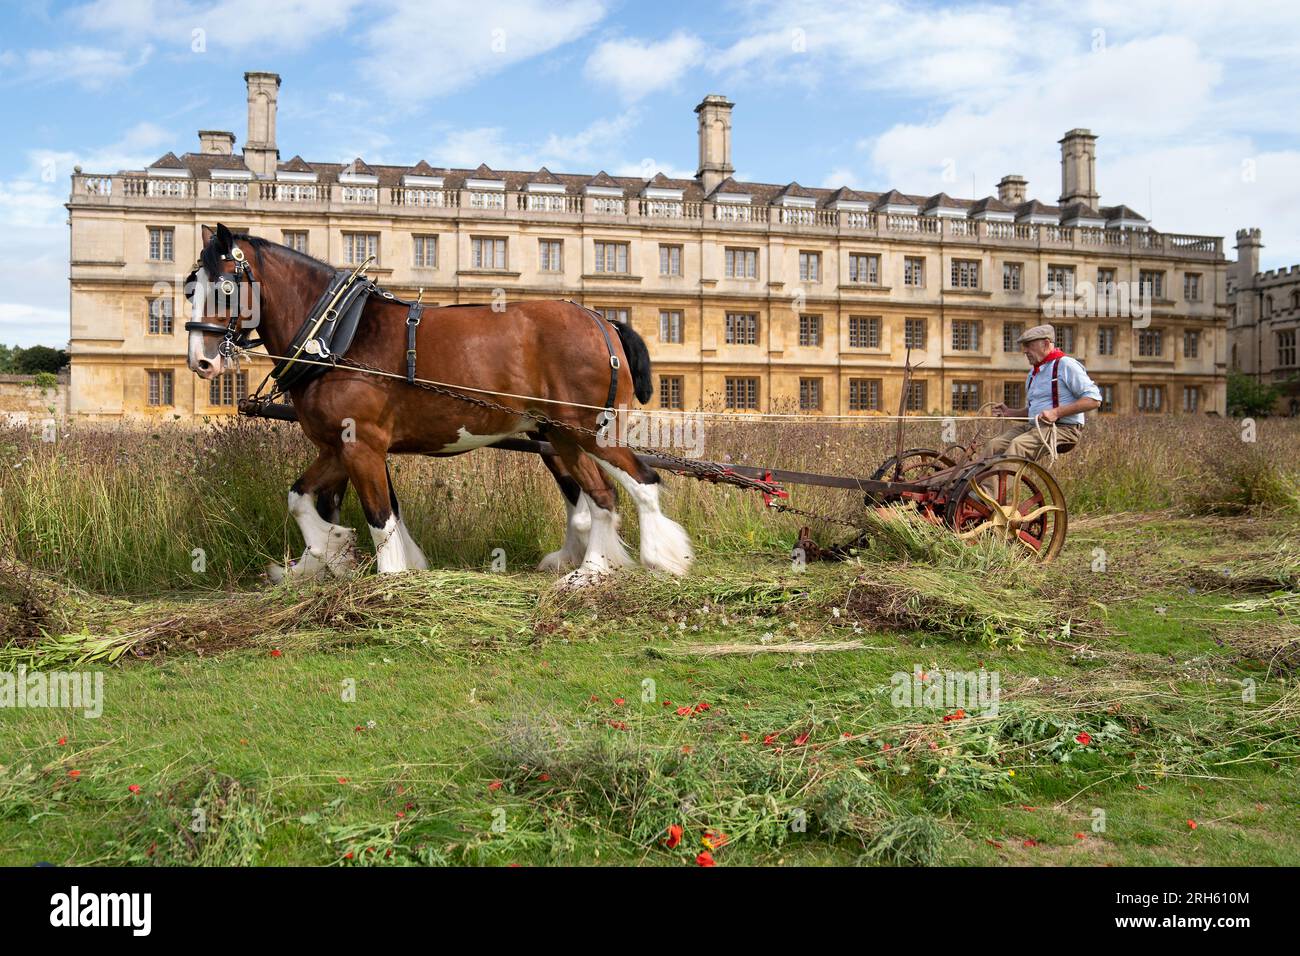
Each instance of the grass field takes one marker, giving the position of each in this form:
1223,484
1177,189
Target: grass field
1147,710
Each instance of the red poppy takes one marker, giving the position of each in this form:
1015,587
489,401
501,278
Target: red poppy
494,785
705,859
276,653
359,729
74,773
683,711
770,739
401,815
702,706
958,715
886,747
348,855
1191,824
343,779
674,836
543,777
802,738
715,841
1080,836
409,806
1084,738
134,788
1031,843
63,741
846,735
619,701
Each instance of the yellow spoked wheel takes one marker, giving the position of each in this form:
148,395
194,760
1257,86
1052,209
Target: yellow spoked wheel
1013,499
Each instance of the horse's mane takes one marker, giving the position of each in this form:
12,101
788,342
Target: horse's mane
210,257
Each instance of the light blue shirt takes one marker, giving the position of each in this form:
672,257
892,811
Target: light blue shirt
1072,384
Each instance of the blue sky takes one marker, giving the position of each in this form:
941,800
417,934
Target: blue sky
1193,100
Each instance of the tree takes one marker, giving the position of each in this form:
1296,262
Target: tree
39,358
1247,397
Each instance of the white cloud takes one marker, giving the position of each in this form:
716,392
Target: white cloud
28,325
583,151
423,49
1180,92
637,68
224,25
90,67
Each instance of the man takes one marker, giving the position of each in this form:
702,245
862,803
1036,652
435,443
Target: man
1058,390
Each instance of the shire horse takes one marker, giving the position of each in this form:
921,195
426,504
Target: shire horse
546,350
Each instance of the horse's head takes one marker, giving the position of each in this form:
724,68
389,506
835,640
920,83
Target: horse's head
224,298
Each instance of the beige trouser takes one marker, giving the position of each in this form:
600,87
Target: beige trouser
1023,441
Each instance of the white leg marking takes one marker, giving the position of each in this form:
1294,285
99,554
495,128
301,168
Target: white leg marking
390,556
415,559
665,546
605,549
329,546
576,532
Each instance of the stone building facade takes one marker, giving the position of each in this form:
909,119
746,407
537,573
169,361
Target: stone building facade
751,296
1264,321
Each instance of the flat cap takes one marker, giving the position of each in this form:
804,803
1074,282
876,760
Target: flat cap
1037,332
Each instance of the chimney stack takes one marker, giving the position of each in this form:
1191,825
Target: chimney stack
1012,189
260,152
715,141
215,142
1079,168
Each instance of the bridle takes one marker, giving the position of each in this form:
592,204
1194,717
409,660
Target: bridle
229,284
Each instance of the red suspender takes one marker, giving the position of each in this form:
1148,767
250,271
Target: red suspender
1056,390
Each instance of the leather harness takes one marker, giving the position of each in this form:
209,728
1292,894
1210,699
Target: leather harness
329,329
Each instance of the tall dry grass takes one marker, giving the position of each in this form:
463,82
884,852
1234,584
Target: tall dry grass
123,509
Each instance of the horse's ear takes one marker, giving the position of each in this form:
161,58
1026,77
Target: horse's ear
207,235
225,238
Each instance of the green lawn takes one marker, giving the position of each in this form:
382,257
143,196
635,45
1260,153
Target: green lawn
486,726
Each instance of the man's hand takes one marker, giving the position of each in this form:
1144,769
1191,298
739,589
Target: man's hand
1001,410
1049,415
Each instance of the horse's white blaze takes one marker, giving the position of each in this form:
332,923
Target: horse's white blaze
390,555
465,441
329,546
576,530
197,353
665,546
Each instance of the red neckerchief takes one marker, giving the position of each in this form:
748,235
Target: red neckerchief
1050,356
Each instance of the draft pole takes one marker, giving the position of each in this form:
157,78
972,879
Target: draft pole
902,410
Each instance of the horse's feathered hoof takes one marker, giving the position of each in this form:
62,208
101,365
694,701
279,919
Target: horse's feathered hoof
583,577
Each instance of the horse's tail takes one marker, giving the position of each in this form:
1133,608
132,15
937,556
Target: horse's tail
638,361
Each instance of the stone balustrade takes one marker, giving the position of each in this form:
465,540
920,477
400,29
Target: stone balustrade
158,192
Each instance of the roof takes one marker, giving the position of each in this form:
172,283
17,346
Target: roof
168,161
990,204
